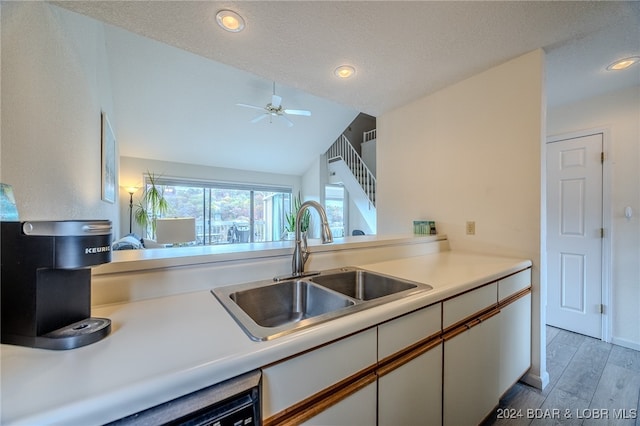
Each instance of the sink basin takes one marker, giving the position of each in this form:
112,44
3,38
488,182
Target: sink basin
287,302
363,285
267,310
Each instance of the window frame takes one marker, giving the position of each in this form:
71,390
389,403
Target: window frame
345,204
211,185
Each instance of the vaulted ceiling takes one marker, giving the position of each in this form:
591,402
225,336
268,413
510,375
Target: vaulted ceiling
177,99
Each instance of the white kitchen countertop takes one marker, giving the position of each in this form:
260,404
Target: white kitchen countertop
163,348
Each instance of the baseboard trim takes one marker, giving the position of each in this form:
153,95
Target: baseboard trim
625,343
537,381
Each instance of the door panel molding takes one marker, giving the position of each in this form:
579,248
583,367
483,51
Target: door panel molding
572,267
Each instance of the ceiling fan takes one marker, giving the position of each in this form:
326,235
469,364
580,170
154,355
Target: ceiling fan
275,109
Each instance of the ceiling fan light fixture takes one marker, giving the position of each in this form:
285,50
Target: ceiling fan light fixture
344,71
230,21
623,64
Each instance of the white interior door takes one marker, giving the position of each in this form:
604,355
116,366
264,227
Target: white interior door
574,234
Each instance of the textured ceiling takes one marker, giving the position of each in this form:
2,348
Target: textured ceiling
176,106
401,50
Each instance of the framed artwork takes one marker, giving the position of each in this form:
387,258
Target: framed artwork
108,161
8,209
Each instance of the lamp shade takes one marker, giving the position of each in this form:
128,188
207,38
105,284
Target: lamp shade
176,230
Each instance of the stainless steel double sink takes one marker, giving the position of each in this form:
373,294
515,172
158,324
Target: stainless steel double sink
266,310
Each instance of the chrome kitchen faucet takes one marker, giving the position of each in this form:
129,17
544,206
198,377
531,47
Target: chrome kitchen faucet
300,253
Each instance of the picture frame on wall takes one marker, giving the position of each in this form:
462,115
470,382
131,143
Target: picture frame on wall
108,161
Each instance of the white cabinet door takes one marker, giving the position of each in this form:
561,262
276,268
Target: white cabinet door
412,393
289,382
471,373
515,342
410,380
358,409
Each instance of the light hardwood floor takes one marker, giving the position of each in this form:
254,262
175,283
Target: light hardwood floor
591,383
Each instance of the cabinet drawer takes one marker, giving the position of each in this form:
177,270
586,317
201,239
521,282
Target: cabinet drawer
403,332
295,379
462,307
513,284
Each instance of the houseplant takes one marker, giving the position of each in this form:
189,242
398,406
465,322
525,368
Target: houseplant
290,219
151,206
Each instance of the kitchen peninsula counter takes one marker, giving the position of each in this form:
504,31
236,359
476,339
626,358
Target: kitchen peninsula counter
165,347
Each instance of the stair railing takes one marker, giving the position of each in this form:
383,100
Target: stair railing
343,150
369,136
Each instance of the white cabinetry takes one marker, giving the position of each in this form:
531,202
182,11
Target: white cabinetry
410,376
466,306
448,363
411,393
515,328
354,410
487,346
471,354
471,373
297,388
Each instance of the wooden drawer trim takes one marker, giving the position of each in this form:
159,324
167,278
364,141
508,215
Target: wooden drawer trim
324,399
470,318
317,403
475,320
519,295
401,358
387,349
470,304
506,285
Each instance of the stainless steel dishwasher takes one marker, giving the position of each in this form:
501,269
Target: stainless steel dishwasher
234,402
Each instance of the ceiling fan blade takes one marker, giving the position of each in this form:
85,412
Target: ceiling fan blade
298,112
260,117
276,101
289,122
250,106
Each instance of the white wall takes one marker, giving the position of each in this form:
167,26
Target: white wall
472,152
619,113
132,171
312,188
357,221
54,86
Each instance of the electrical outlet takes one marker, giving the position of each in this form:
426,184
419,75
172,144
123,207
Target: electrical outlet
471,228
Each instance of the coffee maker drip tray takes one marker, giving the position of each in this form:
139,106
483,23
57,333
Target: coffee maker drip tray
74,335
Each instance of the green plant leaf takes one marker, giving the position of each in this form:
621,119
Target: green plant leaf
290,217
153,205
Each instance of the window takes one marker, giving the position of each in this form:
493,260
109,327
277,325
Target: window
335,203
228,213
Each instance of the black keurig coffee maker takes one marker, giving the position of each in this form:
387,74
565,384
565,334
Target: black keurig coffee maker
46,282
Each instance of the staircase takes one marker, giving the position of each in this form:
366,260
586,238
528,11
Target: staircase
346,165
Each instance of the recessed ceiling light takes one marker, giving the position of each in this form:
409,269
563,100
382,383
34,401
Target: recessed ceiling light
623,64
344,71
230,21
